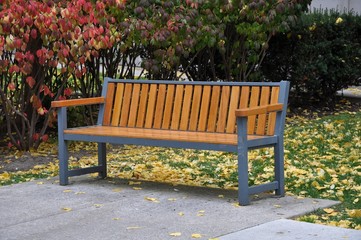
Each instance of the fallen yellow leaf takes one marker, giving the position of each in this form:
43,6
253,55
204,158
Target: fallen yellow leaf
236,205
67,209
133,227
175,234
116,190
39,166
196,235
79,193
137,188
5,176
134,183
354,213
67,190
200,213
151,199
328,210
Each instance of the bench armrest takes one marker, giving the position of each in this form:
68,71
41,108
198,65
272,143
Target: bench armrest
77,102
259,110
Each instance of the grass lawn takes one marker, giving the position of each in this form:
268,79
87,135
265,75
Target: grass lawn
322,160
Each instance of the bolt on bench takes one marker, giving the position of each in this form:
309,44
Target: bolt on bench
221,116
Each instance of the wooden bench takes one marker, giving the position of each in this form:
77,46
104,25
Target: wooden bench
221,116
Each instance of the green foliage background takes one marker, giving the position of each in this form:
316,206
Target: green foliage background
320,55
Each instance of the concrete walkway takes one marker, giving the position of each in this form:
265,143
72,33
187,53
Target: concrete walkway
352,93
102,209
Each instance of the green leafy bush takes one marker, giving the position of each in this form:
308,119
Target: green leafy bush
244,28
320,55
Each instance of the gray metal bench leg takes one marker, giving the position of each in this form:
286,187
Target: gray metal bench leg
63,162
63,152
243,188
102,159
279,167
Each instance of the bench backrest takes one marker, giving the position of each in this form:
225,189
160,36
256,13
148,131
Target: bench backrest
189,106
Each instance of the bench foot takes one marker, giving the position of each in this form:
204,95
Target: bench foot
64,182
243,199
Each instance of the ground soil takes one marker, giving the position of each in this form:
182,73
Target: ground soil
11,160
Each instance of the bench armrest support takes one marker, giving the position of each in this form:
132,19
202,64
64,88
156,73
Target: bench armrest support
259,110
77,102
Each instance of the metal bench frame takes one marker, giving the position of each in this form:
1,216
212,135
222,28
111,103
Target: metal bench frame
243,145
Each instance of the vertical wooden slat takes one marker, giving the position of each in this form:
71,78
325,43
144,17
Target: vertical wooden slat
160,106
255,91
244,97
203,117
261,122
177,107
117,104
142,105
109,104
213,111
231,120
223,109
186,107
193,120
134,106
149,118
272,116
124,115
168,107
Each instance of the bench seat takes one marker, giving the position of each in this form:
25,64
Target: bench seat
160,134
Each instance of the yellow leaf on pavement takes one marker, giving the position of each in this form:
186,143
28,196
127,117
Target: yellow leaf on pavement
200,213
196,235
133,227
151,199
67,209
116,190
175,234
236,205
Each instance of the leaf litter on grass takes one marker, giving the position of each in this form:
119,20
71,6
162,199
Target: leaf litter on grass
322,160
